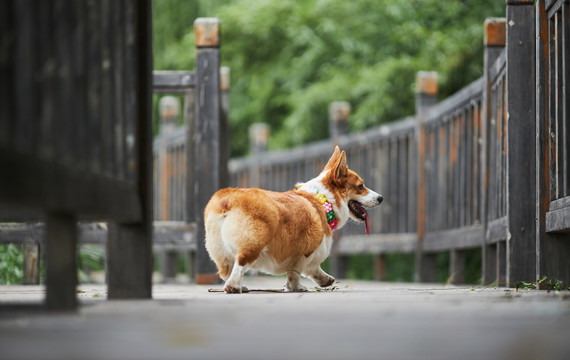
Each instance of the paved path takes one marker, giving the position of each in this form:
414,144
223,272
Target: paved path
359,320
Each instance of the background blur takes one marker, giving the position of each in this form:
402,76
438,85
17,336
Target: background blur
289,59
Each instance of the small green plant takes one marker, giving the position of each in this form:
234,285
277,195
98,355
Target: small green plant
544,283
11,264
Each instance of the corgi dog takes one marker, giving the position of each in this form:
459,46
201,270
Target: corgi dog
285,233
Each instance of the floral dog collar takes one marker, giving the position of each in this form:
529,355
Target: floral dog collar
331,217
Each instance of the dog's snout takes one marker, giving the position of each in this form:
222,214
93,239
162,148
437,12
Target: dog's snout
380,198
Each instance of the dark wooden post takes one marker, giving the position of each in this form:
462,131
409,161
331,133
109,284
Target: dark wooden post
494,40
521,137
169,107
457,267
339,113
189,121
224,126
553,248
258,139
129,245
207,136
379,267
426,96
61,264
189,211
31,264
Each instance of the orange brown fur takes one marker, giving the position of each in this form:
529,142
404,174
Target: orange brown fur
284,222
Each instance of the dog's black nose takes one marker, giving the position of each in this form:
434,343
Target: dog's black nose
380,198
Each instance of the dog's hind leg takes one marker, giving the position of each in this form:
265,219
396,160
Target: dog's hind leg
233,283
216,248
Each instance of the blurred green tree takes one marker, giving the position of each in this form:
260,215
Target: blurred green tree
289,59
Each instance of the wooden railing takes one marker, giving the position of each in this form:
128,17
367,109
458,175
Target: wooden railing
75,134
462,173
553,138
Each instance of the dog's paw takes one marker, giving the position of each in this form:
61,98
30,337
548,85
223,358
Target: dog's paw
295,288
328,281
234,289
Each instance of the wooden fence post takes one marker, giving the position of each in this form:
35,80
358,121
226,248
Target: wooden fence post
258,138
224,126
129,245
31,263
552,248
339,112
521,137
426,96
207,156
61,264
169,107
457,267
494,40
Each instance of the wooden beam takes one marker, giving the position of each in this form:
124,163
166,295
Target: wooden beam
173,81
129,249
521,127
457,238
492,51
61,265
426,96
207,155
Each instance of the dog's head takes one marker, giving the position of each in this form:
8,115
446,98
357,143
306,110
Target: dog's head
348,186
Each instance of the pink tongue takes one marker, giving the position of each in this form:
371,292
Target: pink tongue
367,225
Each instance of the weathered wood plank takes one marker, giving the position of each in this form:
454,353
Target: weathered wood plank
94,84
173,81
207,135
497,230
378,243
558,220
61,266
521,146
6,71
31,274
22,125
457,267
457,238
43,184
552,249
129,249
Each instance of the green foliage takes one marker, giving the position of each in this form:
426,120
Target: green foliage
400,267
290,59
91,258
544,283
11,264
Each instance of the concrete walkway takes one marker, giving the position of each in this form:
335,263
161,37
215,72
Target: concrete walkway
358,320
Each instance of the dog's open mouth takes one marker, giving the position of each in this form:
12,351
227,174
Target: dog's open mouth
358,210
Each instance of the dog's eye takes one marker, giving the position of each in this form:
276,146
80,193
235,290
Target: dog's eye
361,187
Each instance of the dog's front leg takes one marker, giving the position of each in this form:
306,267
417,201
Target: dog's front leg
322,278
293,283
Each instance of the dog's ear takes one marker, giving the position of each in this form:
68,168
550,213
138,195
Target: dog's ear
340,168
333,160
